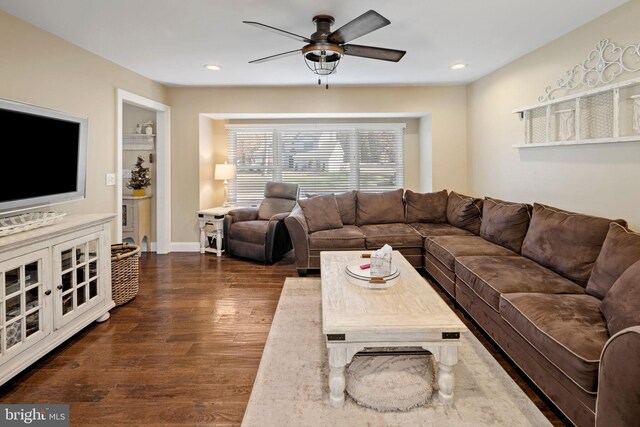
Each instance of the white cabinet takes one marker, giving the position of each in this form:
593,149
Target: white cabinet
136,219
25,285
76,272
54,281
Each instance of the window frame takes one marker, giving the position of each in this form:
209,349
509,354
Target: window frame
355,130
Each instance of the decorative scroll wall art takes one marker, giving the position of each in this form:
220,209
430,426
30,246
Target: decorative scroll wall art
602,66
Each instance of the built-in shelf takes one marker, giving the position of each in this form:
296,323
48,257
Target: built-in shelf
138,141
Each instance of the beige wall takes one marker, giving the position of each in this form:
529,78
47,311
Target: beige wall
446,104
596,179
39,68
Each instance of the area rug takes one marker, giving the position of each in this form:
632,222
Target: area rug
291,387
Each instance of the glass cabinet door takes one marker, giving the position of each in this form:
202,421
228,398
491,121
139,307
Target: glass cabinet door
77,271
24,305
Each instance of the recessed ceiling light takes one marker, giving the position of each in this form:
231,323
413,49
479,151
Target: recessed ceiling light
458,66
212,67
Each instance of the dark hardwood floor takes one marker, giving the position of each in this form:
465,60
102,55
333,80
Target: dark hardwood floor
185,351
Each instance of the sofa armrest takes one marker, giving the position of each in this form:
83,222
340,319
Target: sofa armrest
618,402
299,233
279,217
242,214
236,215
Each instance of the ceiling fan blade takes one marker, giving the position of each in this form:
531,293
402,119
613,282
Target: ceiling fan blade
363,24
279,31
277,56
374,52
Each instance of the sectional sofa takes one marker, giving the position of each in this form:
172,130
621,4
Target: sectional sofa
558,291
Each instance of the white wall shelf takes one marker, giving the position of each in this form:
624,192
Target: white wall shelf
138,141
597,116
581,142
605,113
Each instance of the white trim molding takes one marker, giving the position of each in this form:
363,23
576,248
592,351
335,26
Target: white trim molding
163,164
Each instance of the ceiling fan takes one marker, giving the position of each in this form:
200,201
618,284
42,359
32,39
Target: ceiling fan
325,48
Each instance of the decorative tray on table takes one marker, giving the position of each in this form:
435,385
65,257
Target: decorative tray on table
28,221
362,277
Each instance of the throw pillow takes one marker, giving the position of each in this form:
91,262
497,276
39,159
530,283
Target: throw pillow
380,208
426,207
620,305
566,242
321,213
347,207
464,212
620,249
505,223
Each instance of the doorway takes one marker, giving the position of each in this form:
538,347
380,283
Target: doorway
154,147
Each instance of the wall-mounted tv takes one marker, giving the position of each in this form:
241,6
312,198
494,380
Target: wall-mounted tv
44,156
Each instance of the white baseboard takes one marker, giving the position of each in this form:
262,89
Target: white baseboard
185,246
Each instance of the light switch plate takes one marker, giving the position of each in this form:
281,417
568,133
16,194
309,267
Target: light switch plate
111,179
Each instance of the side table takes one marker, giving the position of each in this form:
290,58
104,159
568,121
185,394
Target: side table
214,217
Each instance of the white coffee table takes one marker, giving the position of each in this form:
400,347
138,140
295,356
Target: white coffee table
408,314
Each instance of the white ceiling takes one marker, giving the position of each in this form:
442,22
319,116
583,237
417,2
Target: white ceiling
170,41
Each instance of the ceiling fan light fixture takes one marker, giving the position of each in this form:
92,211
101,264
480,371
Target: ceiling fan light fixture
212,67
322,58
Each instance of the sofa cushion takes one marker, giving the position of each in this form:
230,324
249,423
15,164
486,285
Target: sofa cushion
505,223
439,229
249,231
446,248
347,207
464,212
426,207
395,235
321,213
566,329
379,208
621,304
619,251
491,276
566,242
347,237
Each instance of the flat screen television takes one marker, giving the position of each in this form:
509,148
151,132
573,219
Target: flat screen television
44,157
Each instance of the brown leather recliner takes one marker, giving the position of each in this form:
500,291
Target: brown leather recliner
260,233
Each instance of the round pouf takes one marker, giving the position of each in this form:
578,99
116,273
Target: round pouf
390,383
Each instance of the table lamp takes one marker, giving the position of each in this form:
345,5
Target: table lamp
225,171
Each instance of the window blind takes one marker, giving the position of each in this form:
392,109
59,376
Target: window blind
322,159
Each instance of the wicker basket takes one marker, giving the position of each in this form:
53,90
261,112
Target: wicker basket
124,272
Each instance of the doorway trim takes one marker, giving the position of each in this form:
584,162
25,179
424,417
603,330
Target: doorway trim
163,166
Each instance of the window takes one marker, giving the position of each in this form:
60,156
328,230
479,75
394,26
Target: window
322,159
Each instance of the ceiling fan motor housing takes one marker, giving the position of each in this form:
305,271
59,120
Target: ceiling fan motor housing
321,50
323,27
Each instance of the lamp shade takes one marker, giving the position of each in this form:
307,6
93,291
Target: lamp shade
225,171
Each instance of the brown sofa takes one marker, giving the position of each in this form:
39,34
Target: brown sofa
558,291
